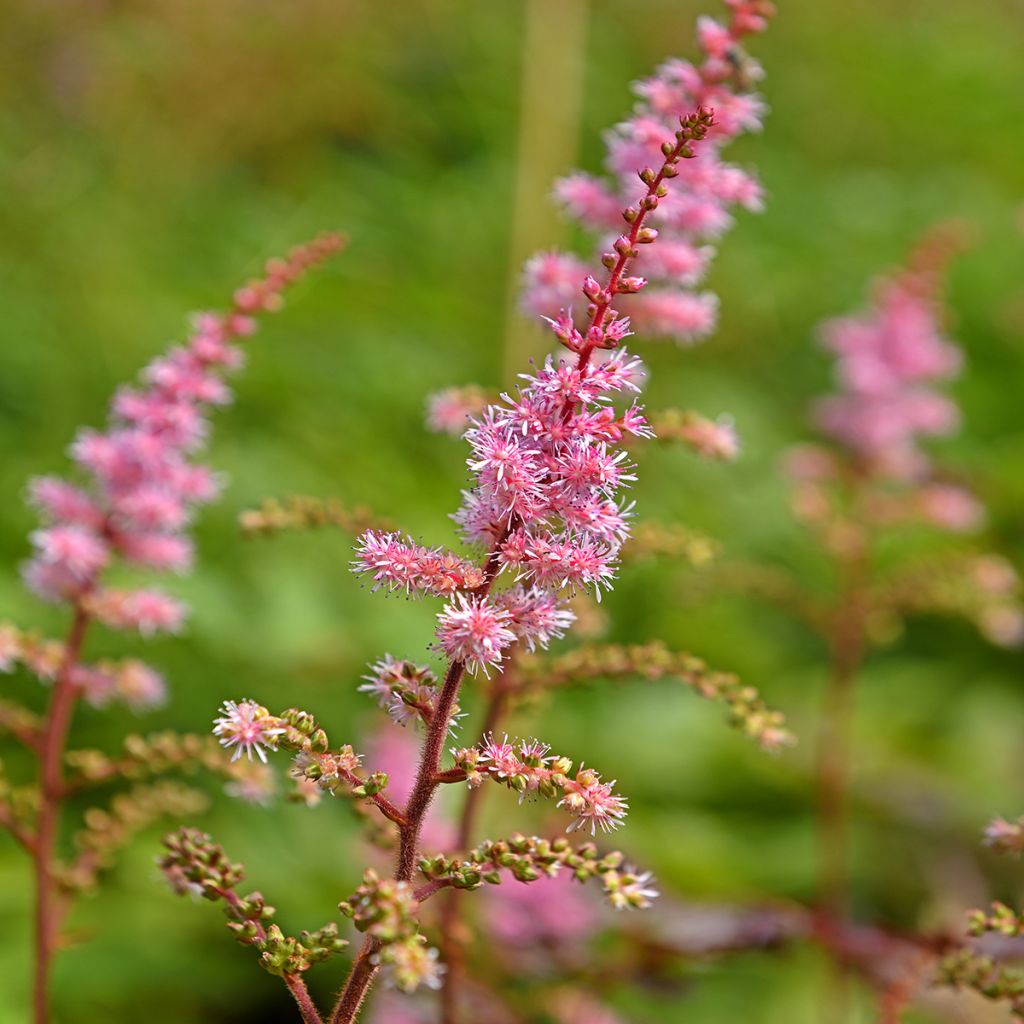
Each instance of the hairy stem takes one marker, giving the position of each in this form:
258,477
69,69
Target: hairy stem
451,942
51,755
307,1008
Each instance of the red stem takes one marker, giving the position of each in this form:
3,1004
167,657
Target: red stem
51,753
297,987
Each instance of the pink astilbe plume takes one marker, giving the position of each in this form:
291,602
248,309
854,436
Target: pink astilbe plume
547,511
139,486
141,481
889,362
697,210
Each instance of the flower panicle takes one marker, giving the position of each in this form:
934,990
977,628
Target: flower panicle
526,766
528,859
142,483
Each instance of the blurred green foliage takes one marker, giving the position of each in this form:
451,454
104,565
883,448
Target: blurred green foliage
153,153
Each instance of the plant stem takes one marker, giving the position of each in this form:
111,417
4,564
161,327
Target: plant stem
451,943
51,754
847,643
297,987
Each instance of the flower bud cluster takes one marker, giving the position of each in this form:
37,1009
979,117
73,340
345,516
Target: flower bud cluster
303,513
528,859
107,831
129,680
1005,836
142,483
654,661
984,589
697,210
43,658
671,540
996,982
712,439
387,911
525,766
405,690
195,864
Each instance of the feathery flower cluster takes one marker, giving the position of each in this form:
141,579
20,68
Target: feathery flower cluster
697,211
142,483
526,767
397,564
888,361
247,726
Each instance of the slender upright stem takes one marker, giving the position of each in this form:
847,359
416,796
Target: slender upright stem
451,942
846,651
51,755
426,781
307,1008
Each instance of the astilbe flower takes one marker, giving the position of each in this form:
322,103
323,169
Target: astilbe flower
142,484
138,488
888,363
696,212
547,508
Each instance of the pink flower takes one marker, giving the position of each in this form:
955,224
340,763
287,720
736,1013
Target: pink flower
684,317
140,686
146,610
247,727
79,551
536,616
551,283
398,564
593,802
551,911
953,508
474,631
450,411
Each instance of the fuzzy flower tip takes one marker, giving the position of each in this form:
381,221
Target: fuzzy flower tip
247,726
526,766
474,631
699,207
142,483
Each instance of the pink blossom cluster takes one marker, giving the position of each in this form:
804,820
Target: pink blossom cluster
526,766
697,211
142,483
396,563
888,363
548,467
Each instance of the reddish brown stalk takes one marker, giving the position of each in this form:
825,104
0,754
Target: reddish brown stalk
307,1008
51,755
451,943
846,639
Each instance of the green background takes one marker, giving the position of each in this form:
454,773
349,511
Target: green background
154,153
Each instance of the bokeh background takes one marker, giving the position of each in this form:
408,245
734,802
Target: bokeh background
153,153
